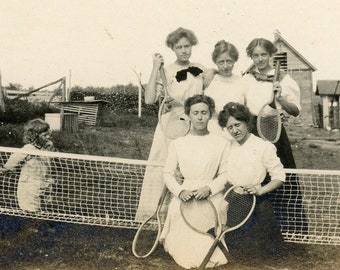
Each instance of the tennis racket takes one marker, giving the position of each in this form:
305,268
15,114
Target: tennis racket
269,118
174,124
192,212
146,238
240,207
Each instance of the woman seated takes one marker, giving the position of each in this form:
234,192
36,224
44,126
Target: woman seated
251,158
202,160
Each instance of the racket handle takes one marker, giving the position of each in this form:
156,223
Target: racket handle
277,71
162,198
210,253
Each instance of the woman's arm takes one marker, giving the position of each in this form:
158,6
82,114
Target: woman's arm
221,179
14,160
288,95
274,167
169,171
151,88
208,76
289,107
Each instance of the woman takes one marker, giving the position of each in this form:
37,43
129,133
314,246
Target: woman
251,158
202,159
226,86
260,88
180,87
287,98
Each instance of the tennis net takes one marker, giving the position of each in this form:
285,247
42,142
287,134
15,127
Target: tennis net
105,191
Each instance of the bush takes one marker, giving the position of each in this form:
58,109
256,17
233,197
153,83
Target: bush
20,111
123,98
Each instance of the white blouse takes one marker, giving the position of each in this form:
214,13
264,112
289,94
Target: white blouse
202,161
226,89
259,93
248,163
182,90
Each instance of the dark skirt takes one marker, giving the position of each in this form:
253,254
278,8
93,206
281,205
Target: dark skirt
283,147
259,237
288,211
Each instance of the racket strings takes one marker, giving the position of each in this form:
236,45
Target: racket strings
200,215
240,205
269,126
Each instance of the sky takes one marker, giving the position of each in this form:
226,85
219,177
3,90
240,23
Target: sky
102,42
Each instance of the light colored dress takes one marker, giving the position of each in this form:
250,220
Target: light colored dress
34,177
259,92
250,162
153,180
202,161
223,90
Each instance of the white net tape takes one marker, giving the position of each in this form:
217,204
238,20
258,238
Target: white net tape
105,191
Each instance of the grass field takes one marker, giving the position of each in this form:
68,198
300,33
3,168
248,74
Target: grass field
32,244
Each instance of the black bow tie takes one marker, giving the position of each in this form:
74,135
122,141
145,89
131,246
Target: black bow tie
182,74
262,77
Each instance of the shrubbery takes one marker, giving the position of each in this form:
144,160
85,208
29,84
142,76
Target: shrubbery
20,111
120,97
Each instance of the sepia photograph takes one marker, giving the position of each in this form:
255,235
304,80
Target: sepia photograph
182,134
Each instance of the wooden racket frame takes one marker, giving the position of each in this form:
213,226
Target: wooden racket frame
159,227
223,229
277,112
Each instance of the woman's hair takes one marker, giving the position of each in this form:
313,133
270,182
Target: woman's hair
238,111
264,43
33,129
199,99
179,33
221,47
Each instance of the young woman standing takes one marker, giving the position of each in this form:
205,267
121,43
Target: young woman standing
181,84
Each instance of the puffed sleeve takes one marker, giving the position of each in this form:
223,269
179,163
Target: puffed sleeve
169,170
17,158
219,182
291,91
273,164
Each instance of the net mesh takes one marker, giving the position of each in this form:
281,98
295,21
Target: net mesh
105,191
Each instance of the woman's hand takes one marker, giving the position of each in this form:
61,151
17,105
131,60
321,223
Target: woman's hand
202,193
186,195
277,89
158,60
253,190
289,107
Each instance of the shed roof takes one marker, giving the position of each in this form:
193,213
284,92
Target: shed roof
328,88
279,38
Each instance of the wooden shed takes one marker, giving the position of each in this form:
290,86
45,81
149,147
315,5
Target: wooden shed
301,70
329,91
89,112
